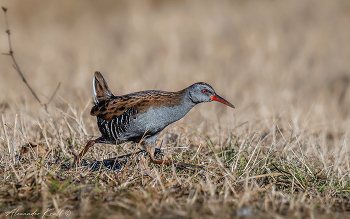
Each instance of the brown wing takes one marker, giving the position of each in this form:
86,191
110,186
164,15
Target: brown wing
109,108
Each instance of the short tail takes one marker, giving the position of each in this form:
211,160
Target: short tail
101,90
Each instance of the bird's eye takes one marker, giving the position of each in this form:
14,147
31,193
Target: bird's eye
204,90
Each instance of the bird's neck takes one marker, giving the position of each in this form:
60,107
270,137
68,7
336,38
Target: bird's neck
187,100
185,104
178,110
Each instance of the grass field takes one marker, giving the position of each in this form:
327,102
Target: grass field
284,152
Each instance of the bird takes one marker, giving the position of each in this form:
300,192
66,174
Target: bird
141,116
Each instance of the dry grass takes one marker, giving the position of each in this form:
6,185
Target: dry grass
283,152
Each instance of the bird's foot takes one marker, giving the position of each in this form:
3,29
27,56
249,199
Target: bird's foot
179,165
76,161
117,163
184,166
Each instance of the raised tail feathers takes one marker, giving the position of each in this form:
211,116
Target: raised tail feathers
100,87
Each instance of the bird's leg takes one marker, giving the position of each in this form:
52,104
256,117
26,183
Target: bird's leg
77,159
170,162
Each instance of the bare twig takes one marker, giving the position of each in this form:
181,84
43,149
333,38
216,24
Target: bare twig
17,68
54,93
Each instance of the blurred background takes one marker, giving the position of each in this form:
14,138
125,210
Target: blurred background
271,59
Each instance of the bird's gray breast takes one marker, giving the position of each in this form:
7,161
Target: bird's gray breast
154,120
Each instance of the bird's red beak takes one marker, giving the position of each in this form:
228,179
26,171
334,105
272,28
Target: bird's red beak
222,100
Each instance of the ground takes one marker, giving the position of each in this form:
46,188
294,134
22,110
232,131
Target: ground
282,153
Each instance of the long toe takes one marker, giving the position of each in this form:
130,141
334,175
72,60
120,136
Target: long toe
144,168
185,166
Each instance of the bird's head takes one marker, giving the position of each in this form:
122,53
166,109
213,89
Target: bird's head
202,92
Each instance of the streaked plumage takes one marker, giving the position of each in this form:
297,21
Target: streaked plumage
143,114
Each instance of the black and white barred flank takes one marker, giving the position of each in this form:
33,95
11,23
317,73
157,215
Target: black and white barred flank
112,130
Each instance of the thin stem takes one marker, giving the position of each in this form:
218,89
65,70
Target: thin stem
17,68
